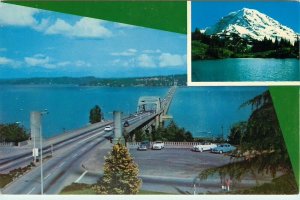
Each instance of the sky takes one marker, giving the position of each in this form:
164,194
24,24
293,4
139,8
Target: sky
38,43
206,14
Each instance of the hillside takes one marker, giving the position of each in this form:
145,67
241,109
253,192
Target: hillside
101,82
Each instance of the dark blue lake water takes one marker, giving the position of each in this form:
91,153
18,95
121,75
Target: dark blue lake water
201,110
245,69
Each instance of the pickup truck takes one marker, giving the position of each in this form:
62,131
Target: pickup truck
158,145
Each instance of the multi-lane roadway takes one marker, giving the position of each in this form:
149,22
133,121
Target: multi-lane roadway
65,165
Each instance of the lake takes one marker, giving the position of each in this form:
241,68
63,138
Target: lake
245,69
201,110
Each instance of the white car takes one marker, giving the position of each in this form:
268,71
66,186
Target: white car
205,146
108,128
158,145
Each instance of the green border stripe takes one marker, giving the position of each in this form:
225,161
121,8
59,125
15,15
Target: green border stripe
286,102
168,15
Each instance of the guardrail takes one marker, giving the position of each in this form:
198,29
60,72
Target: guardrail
167,144
7,144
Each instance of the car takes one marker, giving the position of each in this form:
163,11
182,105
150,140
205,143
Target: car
126,124
205,146
142,147
109,137
158,145
146,143
223,148
108,128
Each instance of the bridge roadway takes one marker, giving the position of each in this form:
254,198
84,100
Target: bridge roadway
69,151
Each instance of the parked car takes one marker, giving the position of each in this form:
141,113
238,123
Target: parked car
126,124
223,148
142,147
146,143
205,146
108,128
158,145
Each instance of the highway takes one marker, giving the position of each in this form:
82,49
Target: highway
24,159
65,165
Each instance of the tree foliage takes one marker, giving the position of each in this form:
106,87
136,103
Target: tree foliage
261,143
228,45
171,133
12,133
120,173
237,132
95,114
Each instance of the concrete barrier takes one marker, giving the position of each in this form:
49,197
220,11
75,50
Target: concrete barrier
7,144
20,144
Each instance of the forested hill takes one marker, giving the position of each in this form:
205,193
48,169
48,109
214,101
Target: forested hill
232,46
94,81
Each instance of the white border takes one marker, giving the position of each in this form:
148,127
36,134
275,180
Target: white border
189,65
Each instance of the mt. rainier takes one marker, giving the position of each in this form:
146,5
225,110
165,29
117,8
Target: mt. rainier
250,23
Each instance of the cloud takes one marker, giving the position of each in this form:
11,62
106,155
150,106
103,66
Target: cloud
171,60
81,63
84,28
145,60
39,60
148,51
12,15
5,61
128,52
64,63
121,25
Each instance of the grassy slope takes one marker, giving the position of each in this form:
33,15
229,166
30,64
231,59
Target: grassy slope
285,184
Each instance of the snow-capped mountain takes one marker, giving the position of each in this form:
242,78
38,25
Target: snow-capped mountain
250,23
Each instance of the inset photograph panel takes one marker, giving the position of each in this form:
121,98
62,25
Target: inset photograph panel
245,42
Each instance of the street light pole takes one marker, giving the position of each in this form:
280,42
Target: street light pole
41,146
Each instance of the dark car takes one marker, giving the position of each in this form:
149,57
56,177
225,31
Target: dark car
142,148
110,138
146,143
126,124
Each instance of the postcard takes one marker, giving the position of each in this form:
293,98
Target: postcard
100,99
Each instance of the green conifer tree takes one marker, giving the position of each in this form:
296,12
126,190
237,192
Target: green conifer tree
120,173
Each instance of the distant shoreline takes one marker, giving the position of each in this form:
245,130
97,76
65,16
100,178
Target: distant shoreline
154,81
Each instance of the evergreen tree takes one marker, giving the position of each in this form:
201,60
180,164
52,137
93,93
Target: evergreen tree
237,132
120,173
262,144
12,133
95,115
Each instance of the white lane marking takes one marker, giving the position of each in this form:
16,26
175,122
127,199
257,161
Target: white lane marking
91,137
61,164
31,190
80,177
47,176
75,155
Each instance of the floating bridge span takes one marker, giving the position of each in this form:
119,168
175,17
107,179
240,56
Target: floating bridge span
145,120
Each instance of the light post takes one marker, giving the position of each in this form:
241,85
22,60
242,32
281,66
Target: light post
41,158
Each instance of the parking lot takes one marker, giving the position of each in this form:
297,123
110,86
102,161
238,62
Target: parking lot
181,163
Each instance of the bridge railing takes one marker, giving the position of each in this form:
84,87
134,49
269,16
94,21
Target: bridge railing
133,145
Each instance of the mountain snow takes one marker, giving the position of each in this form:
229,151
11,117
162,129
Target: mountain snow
250,23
